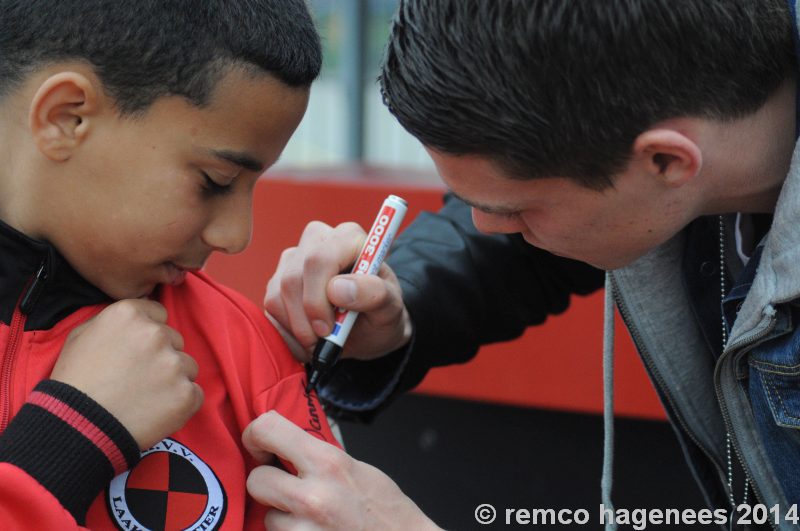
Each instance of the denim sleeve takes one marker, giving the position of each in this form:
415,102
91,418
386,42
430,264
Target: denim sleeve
774,388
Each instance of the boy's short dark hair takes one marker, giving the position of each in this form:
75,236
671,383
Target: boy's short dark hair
144,49
549,88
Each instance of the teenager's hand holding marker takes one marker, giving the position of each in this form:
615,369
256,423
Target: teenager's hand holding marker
308,286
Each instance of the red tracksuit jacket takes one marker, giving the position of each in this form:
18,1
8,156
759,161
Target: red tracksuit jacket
59,450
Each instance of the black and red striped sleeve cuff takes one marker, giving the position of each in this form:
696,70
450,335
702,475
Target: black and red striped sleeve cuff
68,443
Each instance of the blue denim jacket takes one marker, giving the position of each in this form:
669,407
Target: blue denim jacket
773,384
772,380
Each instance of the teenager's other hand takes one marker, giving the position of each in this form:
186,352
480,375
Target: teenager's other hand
331,490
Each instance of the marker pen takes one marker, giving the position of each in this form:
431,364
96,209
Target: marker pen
375,249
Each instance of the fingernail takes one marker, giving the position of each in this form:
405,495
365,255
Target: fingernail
320,328
344,291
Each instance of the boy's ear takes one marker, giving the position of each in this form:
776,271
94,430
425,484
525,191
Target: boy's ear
61,112
668,155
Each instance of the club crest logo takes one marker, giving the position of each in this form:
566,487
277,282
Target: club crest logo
170,489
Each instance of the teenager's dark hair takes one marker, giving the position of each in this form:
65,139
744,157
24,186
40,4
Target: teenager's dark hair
145,49
562,88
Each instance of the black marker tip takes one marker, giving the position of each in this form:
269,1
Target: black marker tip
313,378
325,355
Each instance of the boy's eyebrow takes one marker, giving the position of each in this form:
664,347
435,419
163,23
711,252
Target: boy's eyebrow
244,160
486,208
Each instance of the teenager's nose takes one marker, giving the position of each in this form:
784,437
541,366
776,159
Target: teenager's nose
496,223
231,225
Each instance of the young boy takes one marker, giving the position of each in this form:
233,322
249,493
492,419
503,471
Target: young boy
132,134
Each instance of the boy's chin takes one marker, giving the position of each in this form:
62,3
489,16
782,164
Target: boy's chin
119,293
142,289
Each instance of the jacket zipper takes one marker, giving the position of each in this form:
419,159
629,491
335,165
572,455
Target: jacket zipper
745,341
634,332
21,311
623,310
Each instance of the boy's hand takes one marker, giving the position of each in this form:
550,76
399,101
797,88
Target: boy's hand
130,362
306,287
331,491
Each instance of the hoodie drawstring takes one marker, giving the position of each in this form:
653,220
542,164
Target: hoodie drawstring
608,403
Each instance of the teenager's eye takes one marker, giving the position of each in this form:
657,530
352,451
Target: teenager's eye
211,187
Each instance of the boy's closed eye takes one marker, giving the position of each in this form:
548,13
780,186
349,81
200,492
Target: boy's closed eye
212,187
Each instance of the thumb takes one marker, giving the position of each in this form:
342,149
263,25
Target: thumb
362,293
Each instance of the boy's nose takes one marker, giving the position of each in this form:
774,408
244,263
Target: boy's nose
230,229
496,223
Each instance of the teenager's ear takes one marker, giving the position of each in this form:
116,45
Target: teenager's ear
61,112
668,155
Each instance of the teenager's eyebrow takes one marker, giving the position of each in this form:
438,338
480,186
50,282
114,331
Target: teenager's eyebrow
489,209
243,160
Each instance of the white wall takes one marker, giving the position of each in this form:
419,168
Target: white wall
320,139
